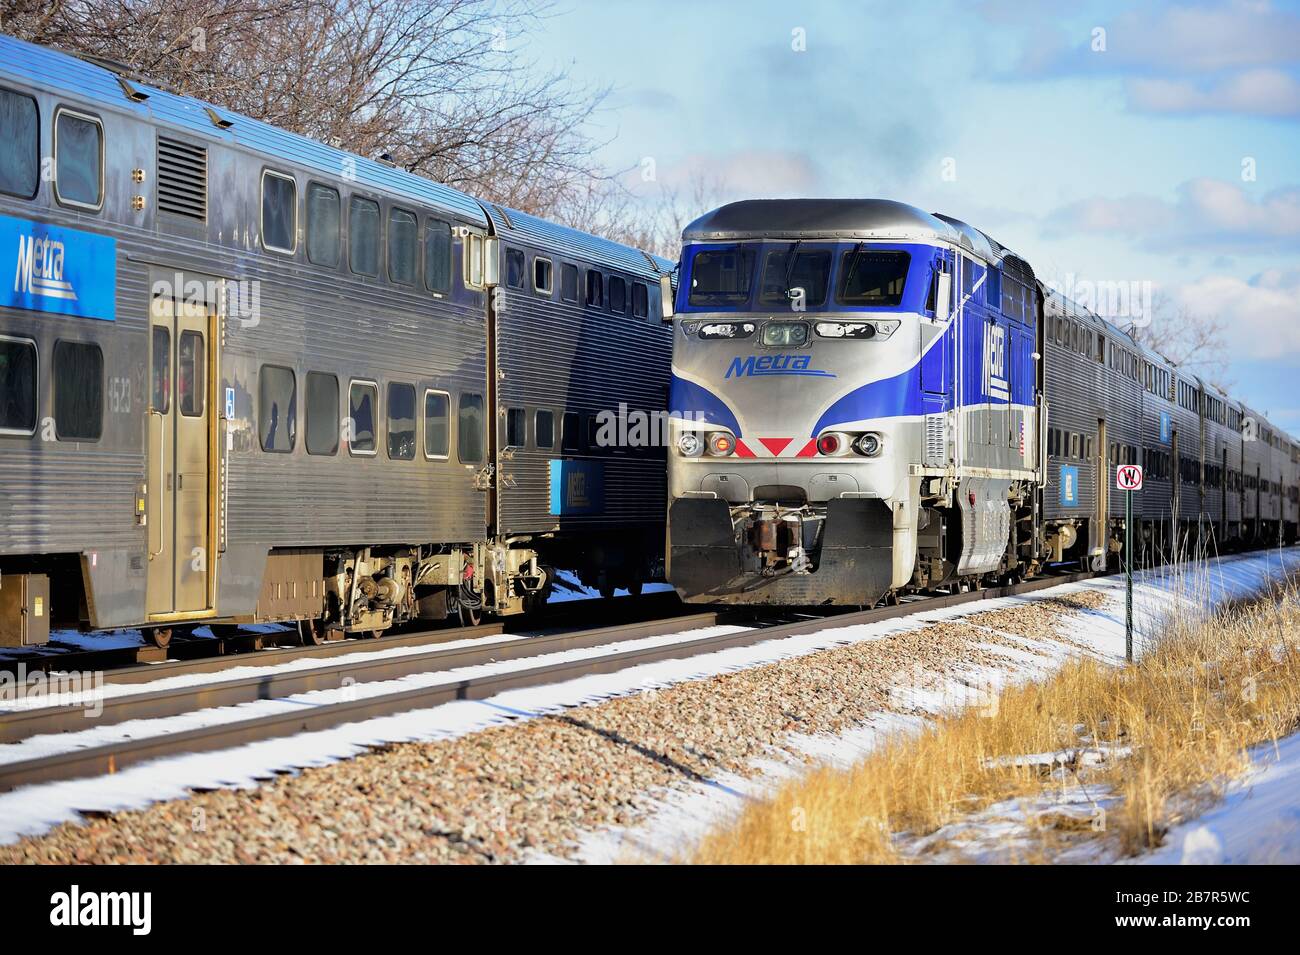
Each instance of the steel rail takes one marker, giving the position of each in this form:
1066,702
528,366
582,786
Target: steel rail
112,757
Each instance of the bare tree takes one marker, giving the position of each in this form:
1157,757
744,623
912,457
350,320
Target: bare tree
653,222
439,86
1194,341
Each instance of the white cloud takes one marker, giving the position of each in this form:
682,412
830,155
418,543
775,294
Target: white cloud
1207,213
1261,316
1263,92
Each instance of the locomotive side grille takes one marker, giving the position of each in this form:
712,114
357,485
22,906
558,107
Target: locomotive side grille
182,179
936,440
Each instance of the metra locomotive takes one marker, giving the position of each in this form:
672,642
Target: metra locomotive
245,376
868,398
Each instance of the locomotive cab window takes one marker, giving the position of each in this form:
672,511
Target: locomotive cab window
401,421
324,217
363,236
542,276
403,237
722,276
78,391
78,160
469,429
790,269
437,424
17,386
322,413
279,212
437,256
20,145
363,397
277,409
872,277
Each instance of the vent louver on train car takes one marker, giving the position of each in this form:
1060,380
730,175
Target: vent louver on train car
182,179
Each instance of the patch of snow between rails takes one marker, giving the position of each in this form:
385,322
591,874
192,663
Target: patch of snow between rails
684,816
33,809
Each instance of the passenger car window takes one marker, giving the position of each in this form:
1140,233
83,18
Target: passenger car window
437,424
403,236
79,163
160,398
279,212
437,255
516,428
362,398
569,283
277,409
469,429
640,300
401,421
17,386
78,391
542,275
363,236
514,268
617,294
323,221
595,288
571,432
20,145
322,413
191,375
544,430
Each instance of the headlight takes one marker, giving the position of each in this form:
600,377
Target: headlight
690,444
721,444
868,444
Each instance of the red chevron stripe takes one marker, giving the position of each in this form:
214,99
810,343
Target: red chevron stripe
775,445
809,450
742,450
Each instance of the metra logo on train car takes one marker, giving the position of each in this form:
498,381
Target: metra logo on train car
995,362
756,365
63,271
577,487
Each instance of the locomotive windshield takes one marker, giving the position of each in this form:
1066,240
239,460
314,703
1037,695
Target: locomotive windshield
803,275
872,277
795,268
722,276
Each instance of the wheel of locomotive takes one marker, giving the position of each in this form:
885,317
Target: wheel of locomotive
607,590
160,637
635,587
311,633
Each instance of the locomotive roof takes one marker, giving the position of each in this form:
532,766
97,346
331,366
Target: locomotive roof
819,218
30,64
552,235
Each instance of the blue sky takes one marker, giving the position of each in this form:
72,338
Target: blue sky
1164,150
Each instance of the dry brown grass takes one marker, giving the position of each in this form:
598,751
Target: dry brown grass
1172,730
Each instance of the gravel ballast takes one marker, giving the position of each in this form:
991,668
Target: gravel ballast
536,785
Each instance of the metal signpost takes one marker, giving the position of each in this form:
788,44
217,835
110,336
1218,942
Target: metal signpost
1128,478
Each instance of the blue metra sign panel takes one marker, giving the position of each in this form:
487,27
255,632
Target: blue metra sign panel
1069,486
45,268
577,487
1165,426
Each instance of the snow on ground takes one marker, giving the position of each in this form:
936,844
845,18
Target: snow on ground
1258,821
34,809
687,815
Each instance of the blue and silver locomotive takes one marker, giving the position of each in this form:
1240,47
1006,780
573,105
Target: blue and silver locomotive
861,394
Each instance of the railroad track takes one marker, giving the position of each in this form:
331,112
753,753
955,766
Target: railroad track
154,704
